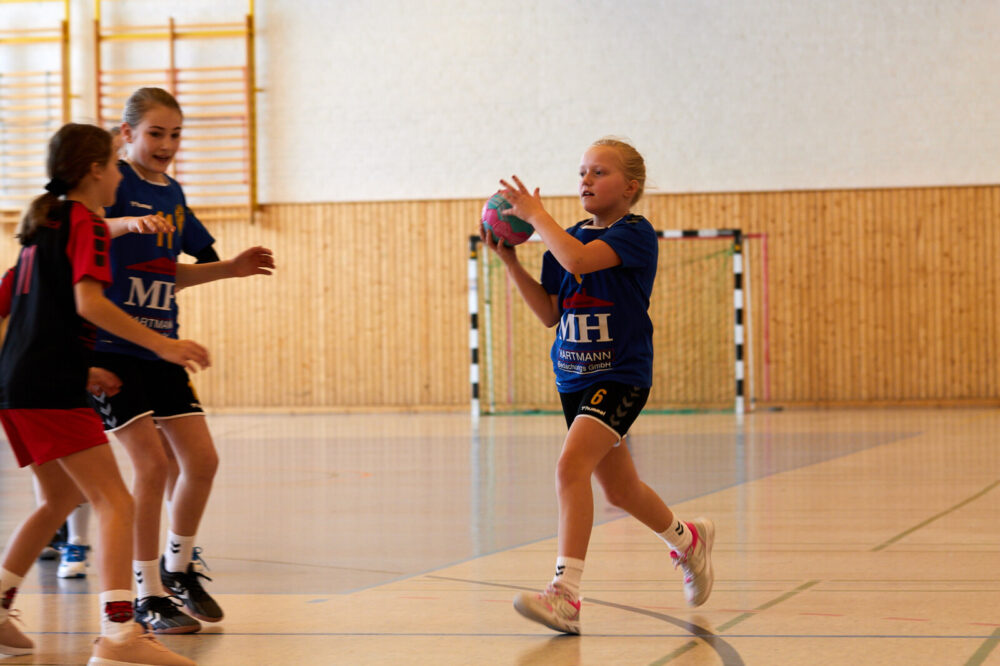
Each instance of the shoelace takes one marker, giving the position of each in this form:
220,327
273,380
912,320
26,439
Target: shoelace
682,562
74,553
199,561
552,590
171,599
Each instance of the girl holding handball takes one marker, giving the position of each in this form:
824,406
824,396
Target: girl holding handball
145,274
55,297
595,284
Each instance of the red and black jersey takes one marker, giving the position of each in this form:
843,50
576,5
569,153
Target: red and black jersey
43,364
6,293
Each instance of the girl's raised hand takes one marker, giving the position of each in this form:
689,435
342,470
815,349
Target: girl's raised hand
504,251
253,261
184,352
101,381
150,224
523,204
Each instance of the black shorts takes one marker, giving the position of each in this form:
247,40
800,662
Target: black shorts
149,387
614,404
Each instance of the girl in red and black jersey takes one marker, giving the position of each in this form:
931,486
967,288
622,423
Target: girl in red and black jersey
56,298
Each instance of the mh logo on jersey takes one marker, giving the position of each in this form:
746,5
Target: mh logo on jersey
583,327
159,295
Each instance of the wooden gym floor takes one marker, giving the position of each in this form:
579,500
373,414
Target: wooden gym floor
843,537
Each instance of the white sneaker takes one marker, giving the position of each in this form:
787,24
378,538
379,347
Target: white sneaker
73,563
12,641
555,608
696,562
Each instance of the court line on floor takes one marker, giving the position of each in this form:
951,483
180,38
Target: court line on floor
906,533
736,620
984,650
726,652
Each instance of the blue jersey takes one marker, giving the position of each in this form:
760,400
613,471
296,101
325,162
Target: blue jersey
604,331
144,266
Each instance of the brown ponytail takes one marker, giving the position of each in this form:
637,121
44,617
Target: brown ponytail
72,150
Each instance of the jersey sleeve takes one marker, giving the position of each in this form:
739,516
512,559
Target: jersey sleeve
6,293
88,246
194,235
552,273
634,243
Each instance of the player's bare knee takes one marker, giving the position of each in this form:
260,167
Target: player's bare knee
202,468
570,471
113,502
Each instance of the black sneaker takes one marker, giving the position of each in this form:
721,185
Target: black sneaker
187,587
162,615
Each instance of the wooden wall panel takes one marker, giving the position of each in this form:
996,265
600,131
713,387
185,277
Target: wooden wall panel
873,296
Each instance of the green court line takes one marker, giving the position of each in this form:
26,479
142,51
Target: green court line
774,602
687,647
930,520
690,645
984,650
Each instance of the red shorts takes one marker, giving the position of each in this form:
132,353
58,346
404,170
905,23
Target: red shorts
42,435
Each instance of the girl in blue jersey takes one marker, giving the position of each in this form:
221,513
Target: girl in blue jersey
146,273
57,284
595,285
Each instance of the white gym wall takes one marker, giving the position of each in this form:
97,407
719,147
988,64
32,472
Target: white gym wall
437,99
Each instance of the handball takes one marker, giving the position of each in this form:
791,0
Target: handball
504,227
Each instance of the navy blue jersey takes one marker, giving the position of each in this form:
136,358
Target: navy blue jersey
604,331
144,266
43,364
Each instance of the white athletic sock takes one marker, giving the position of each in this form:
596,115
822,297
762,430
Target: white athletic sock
677,536
147,578
569,571
178,553
9,582
116,614
77,524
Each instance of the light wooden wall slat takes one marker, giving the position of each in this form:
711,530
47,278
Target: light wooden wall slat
882,296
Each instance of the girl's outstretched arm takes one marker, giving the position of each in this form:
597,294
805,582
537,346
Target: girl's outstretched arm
252,261
92,305
147,224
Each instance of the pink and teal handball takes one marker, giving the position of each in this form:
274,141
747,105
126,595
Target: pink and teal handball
508,228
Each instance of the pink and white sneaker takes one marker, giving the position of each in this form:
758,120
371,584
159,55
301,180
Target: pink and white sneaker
555,608
696,562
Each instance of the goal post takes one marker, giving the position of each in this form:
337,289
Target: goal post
697,310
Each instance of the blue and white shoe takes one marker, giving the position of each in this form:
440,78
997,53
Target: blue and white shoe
51,551
73,563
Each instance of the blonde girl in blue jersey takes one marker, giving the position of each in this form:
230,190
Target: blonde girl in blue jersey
594,288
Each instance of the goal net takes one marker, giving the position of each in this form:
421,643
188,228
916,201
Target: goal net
696,308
